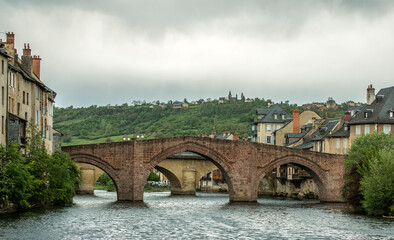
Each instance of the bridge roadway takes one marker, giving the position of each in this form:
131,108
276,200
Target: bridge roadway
243,164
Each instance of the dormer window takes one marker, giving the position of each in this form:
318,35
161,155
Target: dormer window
275,116
368,113
391,114
283,117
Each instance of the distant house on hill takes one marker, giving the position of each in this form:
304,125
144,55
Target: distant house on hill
180,105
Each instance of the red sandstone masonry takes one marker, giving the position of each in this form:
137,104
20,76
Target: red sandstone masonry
243,164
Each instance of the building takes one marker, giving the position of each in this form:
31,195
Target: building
377,115
293,128
267,122
3,82
28,99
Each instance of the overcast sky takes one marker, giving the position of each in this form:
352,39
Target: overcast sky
98,52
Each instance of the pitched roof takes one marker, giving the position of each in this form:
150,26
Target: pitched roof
378,111
325,128
267,115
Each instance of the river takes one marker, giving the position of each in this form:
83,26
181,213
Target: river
206,216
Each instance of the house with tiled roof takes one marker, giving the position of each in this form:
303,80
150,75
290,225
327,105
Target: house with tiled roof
377,115
268,120
26,97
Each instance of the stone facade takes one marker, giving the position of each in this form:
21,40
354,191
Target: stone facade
243,164
27,97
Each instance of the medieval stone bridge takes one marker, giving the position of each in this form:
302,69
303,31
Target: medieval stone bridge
243,164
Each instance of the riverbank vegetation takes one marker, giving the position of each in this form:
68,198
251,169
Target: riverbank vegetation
369,178
32,177
97,124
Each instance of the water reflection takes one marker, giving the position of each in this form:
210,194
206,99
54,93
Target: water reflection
201,217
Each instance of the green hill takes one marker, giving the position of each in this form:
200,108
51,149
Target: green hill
97,124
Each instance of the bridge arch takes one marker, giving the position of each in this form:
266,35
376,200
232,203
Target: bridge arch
319,174
97,162
174,180
212,155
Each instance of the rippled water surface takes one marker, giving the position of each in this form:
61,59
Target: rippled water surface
207,216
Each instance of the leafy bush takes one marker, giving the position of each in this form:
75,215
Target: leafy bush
36,178
377,185
363,149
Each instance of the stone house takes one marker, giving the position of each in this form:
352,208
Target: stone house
267,122
377,115
294,126
27,97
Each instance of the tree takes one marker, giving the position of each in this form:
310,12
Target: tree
14,178
357,164
153,177
377,185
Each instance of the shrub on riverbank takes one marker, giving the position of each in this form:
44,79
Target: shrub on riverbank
366,182
36,178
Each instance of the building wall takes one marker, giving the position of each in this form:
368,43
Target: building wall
262,132
363,130
304,118
336,145
3,100
27,97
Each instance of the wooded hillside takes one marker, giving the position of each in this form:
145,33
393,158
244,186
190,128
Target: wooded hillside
96,124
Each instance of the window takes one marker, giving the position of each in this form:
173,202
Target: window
338,143
268,127
37,93
268,139
283,117
391,114
23,100
366,115
37,118
345,144
2,95
275,116
387,129
366,129
2,124
18,105
358,130
27,98
26,116
2,67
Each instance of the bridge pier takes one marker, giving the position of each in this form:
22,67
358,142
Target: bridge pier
89,177
188,185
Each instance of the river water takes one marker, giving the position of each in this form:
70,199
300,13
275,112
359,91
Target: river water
206,216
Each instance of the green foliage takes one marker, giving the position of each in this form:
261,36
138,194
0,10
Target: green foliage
63,176
362,151
36,178
365,152
14,177
153,177
105,182
377,185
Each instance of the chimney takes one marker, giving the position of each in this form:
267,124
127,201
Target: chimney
296,121
315,123
36,65
370,95
347,116
26,58
236,136
10,38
